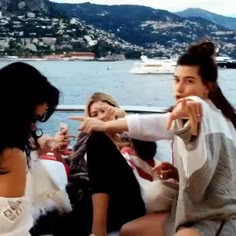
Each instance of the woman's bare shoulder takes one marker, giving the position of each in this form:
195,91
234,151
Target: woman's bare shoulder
12,159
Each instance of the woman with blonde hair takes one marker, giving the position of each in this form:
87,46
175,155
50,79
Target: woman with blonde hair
104,107
102,187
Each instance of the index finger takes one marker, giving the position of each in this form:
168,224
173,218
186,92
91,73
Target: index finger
193,125
184,106
169,122
78,118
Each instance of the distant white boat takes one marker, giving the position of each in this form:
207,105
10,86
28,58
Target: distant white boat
223,58
226,62
154,66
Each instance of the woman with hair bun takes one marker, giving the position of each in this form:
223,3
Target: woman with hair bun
202,126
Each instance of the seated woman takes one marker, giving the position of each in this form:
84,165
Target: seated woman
102,187
202,126
26,97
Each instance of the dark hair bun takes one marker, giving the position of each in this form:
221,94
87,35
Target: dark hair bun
206,49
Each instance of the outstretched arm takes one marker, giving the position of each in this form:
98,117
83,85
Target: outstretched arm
142,127
89,124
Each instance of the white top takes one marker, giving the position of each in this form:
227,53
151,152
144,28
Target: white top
45,191
206,164
149,127
153,128
15,216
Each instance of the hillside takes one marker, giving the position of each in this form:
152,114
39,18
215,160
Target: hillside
39,27
150,28
27,30
228,22
24,5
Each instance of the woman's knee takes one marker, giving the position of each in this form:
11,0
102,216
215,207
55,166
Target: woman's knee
128,229
188,232
149,225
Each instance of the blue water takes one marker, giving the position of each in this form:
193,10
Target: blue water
77,80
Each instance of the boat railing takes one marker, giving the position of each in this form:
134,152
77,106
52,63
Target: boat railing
128,109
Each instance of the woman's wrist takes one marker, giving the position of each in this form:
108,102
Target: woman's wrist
106,126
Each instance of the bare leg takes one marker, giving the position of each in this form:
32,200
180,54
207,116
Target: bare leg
100,208
149,225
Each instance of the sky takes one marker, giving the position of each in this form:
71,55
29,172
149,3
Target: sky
222,7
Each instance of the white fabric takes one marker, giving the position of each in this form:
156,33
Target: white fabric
157,195
15,216
47,193
206,166
148,127
152,128
207,169
56,170
194,156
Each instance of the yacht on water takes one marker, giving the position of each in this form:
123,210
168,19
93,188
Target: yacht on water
226,62
153,66
167,66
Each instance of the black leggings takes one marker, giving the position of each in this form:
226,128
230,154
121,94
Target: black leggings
109,173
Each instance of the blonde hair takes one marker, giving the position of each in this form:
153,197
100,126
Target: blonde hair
99,97
103,97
